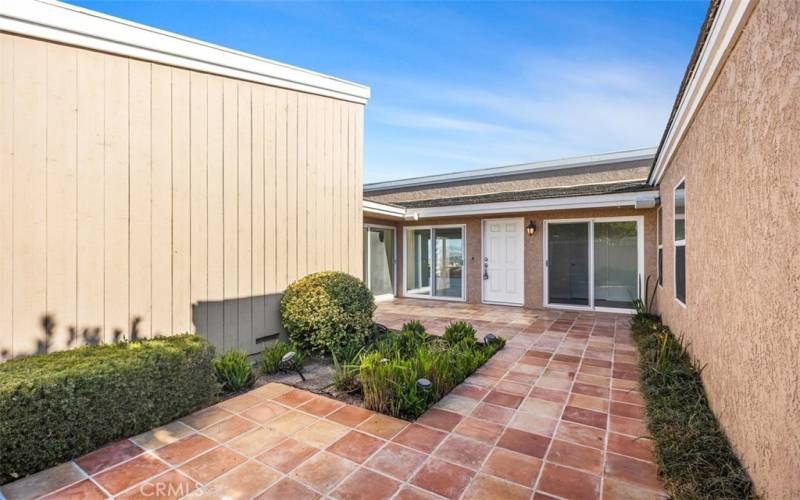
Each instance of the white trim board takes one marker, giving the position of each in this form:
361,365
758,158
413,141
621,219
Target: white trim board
728,24
68,24
374,207
503,207
523,168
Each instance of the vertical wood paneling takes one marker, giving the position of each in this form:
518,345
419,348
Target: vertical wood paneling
359,182
30,195
216,245
6,194
302,184
281,231
199,199
328,167
258,187
230,182
245,233
353,199
270,189
116,228
140,199
62,169
139,194
161,192
291,188
181,203
336,185
311,186
91,246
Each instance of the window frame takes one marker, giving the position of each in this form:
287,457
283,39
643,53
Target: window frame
659,247
678,243
431,296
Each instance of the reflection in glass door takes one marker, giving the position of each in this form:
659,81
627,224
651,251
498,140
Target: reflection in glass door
379,261
434,262
616,277
593,264
568,266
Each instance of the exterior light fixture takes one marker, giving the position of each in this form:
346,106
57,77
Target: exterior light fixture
288,363
489,338
530,228
424,384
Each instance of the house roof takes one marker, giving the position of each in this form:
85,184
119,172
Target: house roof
606,159
721,28
713,7
534,194
71,25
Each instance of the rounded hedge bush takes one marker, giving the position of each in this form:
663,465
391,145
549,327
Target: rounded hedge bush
327,311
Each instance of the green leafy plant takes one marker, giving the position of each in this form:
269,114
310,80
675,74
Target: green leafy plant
414,326
458,332
324,312
694,456
234,371
389,373
272,354
346,368
55,407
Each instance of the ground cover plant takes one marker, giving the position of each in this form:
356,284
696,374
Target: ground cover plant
694,456
58,406
234,371
389,371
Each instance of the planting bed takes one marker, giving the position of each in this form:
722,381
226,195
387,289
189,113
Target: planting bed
385,375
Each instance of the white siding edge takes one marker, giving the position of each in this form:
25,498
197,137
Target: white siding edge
71,25
725,30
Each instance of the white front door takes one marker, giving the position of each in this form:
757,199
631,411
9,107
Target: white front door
503,261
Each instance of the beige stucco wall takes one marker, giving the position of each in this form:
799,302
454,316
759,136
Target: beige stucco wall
740,159
534,260
141,197
628,171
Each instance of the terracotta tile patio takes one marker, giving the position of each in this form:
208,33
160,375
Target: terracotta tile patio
555,414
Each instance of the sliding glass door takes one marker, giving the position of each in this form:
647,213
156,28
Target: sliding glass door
379,260
616,256
434,262
568,276
593,264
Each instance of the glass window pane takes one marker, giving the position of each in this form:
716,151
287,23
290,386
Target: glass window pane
680,212
616,278
680,273
568,263
449,251
660,266
418,263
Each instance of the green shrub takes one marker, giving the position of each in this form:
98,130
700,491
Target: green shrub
390,372
414,326
695,459
234,371
324,312
458,332
58,406
272,355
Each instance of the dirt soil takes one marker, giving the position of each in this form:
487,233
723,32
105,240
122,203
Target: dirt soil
319,380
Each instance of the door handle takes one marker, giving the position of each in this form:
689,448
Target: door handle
485,269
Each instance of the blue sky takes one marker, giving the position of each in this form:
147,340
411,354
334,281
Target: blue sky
458,86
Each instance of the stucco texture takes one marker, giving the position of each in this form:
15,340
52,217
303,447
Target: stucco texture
534,267
739,158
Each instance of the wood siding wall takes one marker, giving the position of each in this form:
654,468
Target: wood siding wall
142,199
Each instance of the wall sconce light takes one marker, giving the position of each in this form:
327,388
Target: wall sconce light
531,228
